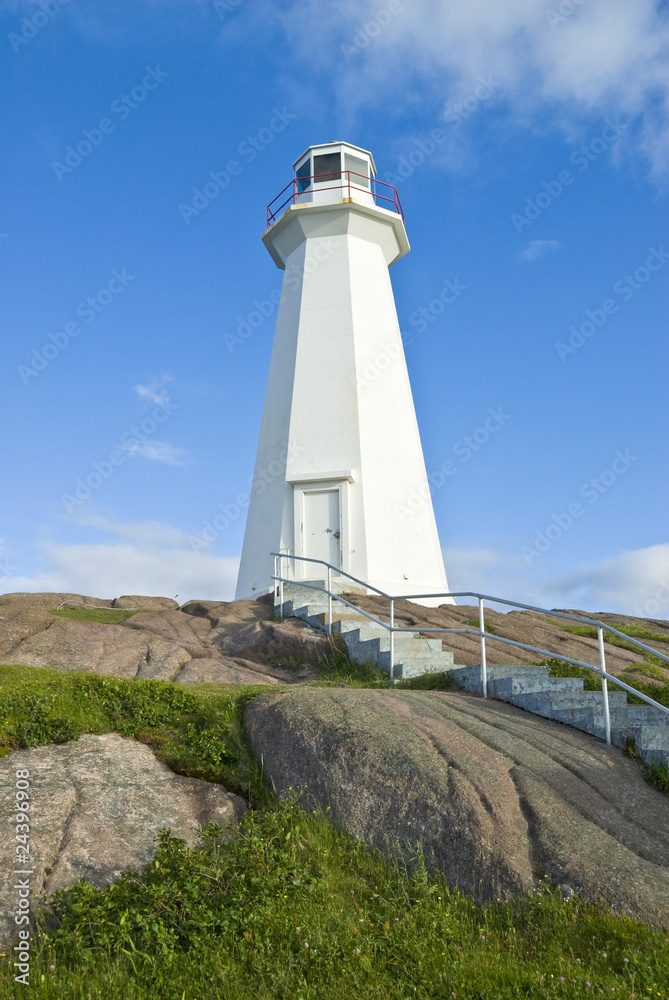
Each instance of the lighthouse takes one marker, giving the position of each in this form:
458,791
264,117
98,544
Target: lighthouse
339,473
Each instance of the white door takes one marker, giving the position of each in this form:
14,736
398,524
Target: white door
321,528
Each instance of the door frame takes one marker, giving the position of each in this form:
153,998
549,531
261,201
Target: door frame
320,486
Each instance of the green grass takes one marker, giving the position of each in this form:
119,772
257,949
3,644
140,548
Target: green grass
656,774
634,631
103,616
196,731
296,909
232,920
338,670
475,623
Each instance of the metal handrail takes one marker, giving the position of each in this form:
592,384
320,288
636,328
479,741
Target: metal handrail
370,187
392,628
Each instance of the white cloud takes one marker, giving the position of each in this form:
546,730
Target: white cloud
604,58
145,532
108,571
537,248
155,451
637,581
153,559
632,582
150,393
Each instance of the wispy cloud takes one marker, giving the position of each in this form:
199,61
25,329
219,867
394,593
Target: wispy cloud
154,392
110,570
607,58
626,583
537,248
155,451
144,532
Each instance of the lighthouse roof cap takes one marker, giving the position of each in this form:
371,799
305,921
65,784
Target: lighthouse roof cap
331,145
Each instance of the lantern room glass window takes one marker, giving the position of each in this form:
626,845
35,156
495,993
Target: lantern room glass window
327,167
359,170
303,175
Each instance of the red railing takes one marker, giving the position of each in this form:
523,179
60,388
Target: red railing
384,195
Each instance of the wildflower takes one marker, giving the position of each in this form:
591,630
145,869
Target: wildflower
297,929
604,954
626,960
306,944
52,966
397,920
357,951
587,983
561,979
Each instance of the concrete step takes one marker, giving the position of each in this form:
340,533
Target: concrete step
559,698
646,715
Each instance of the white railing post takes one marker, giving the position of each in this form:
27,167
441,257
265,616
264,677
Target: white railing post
329,600
484,665
392,641
281,584
605,691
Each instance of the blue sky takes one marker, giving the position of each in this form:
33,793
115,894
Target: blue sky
528,143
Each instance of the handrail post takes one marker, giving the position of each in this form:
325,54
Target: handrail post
281,584
605,691
392,641
484,665
329,600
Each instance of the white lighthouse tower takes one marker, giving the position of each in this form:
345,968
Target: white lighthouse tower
339,472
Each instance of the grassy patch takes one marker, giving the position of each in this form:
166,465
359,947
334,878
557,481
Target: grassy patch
102,616
634,631
338,670
656,774
295,908
197,733
474,623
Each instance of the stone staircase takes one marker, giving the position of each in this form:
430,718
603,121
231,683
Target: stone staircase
560,698
365,641
564,700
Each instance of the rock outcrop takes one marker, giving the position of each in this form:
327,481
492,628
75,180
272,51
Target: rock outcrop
499,798
530,627
96,805
99,649
205,642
